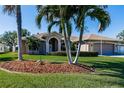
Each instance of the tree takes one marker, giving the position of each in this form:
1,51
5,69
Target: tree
56,15
10,39
25,33
64,15
121,35
94,12
33,43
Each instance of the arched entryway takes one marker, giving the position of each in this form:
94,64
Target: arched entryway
53,45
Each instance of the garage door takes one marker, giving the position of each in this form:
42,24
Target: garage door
107,49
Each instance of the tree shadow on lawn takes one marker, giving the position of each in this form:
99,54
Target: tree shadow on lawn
114,69
7,59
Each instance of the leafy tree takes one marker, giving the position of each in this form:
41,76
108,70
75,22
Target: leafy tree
121,35
16,11
25,33
33,43
73,46
10,38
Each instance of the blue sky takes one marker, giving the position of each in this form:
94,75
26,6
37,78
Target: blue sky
8,23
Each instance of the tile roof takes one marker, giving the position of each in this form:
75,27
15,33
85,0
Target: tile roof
93,37
84,37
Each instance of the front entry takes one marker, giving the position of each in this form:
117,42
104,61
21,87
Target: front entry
53,45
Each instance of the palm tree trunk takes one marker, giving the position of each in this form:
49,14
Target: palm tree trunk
69,50
19,27
65,36
79,44
67,47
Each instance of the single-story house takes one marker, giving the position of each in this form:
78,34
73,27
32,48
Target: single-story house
52,42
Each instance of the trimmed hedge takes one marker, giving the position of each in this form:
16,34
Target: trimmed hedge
2,52
82,54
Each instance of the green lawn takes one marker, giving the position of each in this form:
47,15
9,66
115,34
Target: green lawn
109,73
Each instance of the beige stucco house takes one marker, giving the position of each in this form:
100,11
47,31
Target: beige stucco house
103,45
52,42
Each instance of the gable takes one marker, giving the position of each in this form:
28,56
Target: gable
46,36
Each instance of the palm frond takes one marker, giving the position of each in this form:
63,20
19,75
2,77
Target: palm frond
9,9
69,28
51,25
102,16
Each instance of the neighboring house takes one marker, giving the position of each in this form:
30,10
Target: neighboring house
3,48
54,41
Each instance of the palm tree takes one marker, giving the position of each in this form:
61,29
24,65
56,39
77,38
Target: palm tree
16,11
94,12
63,15
56,15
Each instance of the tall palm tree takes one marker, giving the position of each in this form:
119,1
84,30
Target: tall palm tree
16,11
94,12
59,16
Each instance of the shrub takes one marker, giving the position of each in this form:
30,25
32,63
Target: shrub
82,54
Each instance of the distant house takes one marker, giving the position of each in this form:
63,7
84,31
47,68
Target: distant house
54,41
3,48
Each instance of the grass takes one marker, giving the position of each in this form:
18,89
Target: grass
109,73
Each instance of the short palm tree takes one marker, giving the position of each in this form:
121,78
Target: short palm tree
16,11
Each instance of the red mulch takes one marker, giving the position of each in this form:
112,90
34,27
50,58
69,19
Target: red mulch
45,67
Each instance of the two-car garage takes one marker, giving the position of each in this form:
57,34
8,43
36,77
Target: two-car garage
103,48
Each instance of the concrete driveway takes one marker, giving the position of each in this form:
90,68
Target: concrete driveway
118,56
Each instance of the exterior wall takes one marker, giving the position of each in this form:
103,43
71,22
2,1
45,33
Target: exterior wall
108,48
84,47
41,49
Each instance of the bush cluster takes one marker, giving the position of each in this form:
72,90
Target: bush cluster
82,54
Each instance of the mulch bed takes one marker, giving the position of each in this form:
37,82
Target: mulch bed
45,67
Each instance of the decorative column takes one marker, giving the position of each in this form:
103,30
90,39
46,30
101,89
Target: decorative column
101,47
47,46
59,45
